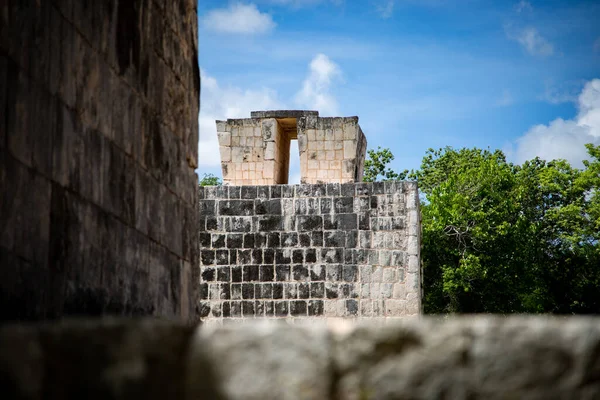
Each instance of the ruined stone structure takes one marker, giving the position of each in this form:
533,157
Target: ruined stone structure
256,151
325,249
462,358
98,146
295,251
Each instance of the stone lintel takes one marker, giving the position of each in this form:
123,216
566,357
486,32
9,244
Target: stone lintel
284,114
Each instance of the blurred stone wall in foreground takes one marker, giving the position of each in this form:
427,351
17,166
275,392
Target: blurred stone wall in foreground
462,358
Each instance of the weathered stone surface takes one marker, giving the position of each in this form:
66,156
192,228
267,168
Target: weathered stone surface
98,147
283,114
313,254
107,360
457,358
256,151
293,361
471,358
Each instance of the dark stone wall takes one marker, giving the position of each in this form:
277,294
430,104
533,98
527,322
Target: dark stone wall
98,145
305,251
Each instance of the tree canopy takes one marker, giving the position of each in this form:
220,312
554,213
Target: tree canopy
506,238
210,180
376,166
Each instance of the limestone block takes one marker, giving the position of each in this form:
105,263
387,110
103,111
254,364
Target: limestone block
224,138
237,154
349,149
413,280
225,154
329,136
399,291
366,308
413,264
223,126
302,143
338,135
269,169
413,246
395,307
320,135
294,364
348,168
270,151
350,131
269,129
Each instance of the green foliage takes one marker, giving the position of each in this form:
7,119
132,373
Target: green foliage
210,180
504,238
376,166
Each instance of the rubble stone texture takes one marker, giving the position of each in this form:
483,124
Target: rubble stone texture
98,146
256,150
460,358
310,251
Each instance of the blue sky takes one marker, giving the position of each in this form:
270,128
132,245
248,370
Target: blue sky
522,76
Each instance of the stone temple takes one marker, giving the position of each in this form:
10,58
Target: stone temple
256,150
331,247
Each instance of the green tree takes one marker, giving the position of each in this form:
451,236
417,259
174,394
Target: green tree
376,166
505,238
210,180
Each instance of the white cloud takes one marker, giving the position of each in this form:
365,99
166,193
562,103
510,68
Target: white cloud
316,89
386,9
239,18
531,40
523,6
565,138
219,103
566,92
506,99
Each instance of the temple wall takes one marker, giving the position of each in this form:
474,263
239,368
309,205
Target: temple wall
256,151
310,251
98,146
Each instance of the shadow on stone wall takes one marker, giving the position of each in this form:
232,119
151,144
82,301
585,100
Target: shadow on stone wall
98,147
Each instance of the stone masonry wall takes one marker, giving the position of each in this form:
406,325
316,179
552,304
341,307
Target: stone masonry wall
460,358
303,251
98,145
256,151
332,150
